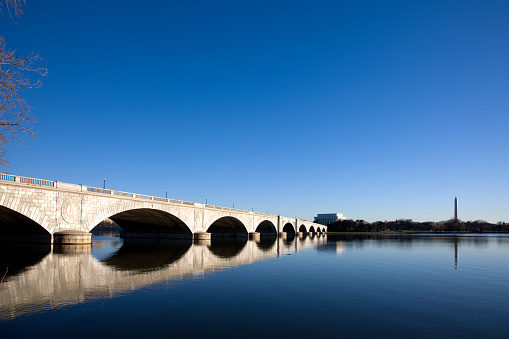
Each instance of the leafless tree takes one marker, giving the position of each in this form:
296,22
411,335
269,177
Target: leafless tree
15,118
14,7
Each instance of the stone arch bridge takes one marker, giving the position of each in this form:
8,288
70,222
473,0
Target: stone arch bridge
36,209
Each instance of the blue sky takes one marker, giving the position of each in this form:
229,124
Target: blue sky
375,109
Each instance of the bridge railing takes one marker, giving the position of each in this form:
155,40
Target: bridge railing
137,196
7,177
27,180
172,201
49,183
227,209
98,190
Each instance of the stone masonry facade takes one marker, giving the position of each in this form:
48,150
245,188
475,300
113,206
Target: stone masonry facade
58,206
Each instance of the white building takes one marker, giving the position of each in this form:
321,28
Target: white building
324,219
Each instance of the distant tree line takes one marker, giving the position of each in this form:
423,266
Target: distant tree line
108,223
406,225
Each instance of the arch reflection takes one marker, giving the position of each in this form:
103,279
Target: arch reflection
266,243
72,274
144,255
17,257
227,247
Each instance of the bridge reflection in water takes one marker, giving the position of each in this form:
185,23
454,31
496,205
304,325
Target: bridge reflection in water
42,277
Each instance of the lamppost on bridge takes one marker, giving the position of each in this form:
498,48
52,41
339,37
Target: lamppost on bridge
166,194
104,183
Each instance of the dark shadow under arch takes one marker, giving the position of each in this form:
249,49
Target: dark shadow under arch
266,228
289,229
15,226
302,228
227,227
312,229
146,222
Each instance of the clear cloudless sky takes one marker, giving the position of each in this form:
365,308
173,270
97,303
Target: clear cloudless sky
375,109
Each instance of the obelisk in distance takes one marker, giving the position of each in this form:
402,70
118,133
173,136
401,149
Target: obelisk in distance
455,209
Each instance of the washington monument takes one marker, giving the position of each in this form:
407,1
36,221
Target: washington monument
455,209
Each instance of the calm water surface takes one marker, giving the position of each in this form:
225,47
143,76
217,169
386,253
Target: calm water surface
353,286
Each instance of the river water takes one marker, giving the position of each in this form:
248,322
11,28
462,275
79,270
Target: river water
353,286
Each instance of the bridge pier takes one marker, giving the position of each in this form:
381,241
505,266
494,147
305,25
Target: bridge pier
202,236
254,235
72,249
72,237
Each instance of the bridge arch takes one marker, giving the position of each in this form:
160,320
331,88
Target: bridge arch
318,229
151,221
289,228
311,229
303,229
266,227
112,208
227,226
17,226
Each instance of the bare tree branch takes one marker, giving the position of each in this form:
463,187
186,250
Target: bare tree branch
14,7
15,119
